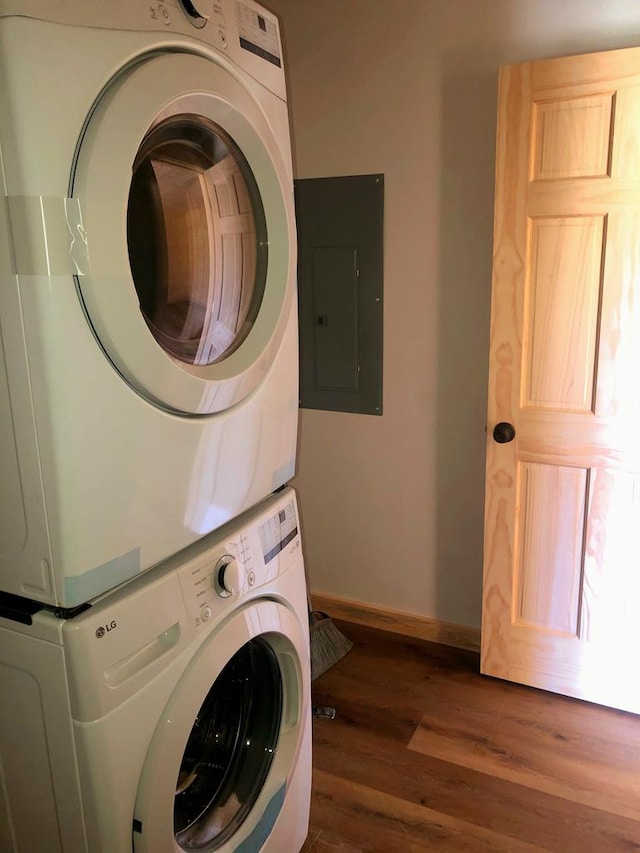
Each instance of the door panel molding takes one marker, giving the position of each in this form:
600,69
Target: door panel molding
563,498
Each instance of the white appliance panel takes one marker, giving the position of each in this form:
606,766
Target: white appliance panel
100,483
102,704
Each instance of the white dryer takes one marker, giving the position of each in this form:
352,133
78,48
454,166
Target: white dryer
149,380
174,713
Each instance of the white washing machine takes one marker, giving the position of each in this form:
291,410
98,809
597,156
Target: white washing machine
149,380
172,714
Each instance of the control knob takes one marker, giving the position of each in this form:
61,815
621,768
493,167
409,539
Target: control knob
226,576
198,8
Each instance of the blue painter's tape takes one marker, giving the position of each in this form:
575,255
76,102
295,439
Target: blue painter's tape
84,587
283,474
253,843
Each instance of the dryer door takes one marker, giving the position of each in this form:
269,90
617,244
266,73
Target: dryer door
220,761
186,206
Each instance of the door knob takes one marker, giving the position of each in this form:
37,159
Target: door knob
504,432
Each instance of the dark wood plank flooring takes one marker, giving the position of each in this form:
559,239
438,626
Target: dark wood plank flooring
427,754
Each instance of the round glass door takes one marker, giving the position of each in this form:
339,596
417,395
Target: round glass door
178,158
230,749
197,239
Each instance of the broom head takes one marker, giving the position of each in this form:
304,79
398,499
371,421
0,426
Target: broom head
328,644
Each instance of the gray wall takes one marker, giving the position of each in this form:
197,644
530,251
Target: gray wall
392,507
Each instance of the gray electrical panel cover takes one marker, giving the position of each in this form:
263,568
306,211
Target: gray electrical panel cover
340,232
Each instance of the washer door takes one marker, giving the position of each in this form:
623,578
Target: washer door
187,208
216,772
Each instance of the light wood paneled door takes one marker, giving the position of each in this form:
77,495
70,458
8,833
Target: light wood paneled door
561,604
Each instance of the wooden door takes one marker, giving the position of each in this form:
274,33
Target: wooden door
561,601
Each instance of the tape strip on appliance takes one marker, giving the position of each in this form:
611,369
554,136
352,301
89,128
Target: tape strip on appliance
81,588
48,236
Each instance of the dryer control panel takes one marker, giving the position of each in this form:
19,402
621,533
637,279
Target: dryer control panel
241,30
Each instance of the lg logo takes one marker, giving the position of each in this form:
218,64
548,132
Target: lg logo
103,629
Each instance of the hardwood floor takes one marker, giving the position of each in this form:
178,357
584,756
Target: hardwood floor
427,754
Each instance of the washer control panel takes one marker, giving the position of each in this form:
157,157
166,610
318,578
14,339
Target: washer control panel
252,556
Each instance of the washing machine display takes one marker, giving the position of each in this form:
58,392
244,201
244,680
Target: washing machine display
278,531
137,730
149,374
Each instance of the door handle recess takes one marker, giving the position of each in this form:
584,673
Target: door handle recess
504,432
137,661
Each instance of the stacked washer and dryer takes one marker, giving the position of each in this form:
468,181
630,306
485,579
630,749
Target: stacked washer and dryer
154,647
